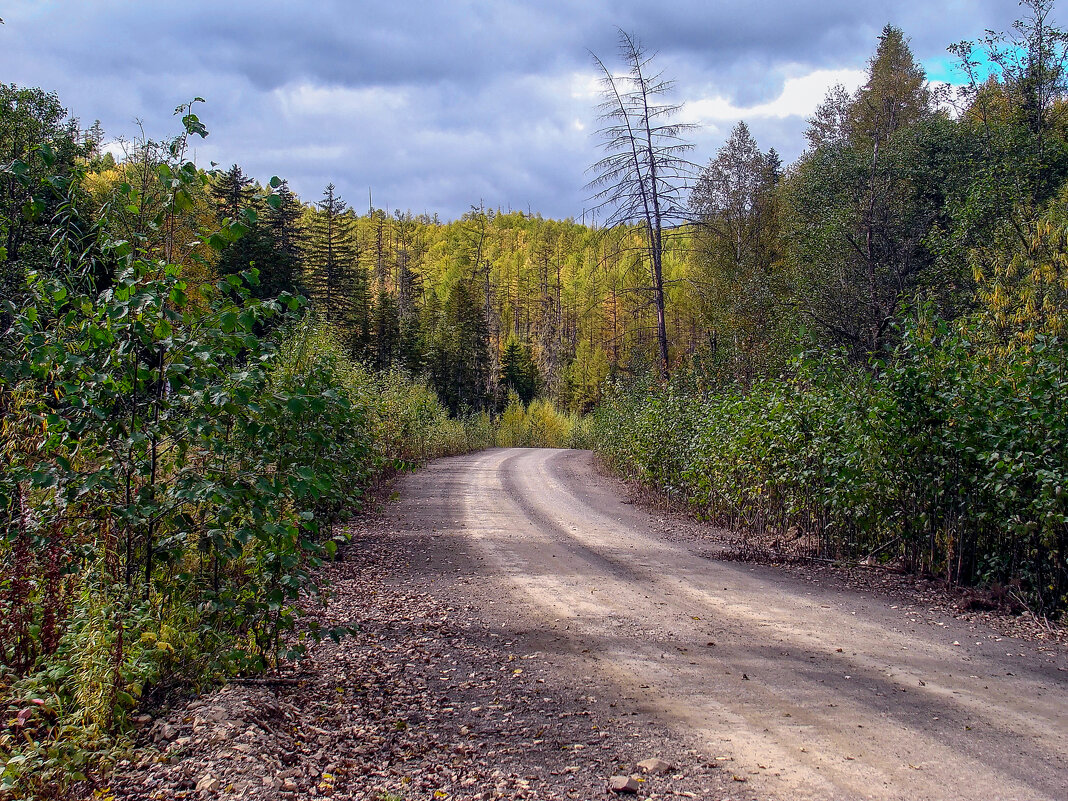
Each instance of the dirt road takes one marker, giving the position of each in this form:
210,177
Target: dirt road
812,692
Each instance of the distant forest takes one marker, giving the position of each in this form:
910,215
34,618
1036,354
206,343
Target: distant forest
904,196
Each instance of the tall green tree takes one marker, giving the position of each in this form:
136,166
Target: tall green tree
385,331
232,192
1014,123
861,204
457,347
736,251
519,374
336,283
268,242
37,135
895,95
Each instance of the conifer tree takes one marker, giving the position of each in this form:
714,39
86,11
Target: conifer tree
862,203
279,220
268,244
519,374
895,95
385,331
231,192
458,356
335,282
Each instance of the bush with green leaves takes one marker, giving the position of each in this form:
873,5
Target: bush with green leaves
943,458
157,471
170,474
538,424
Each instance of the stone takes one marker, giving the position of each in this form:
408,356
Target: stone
622,784
208,784
654,765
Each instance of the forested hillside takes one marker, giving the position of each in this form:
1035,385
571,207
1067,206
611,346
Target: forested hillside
465,302
201,373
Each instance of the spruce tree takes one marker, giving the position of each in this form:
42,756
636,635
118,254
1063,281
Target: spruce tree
231,192
519,374
334,281
457,349
267,245
385,331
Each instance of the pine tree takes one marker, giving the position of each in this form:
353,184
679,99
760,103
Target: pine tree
385,331
231,192
279,221
282,218
458,356
267,245
519,374
335,282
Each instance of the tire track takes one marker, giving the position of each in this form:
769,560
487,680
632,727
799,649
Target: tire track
815,693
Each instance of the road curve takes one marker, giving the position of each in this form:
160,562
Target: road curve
812,692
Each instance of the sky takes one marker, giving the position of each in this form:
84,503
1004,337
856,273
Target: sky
439,105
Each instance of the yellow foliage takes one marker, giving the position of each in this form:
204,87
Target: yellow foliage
539,425
100,184
1024,293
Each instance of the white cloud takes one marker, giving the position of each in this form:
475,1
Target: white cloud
799,98
306,98
437,104
118,150
585,86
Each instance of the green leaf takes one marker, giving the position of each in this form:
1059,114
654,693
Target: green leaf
193,125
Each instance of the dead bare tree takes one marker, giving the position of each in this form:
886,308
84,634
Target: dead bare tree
643,176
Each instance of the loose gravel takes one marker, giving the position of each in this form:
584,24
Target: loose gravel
426,700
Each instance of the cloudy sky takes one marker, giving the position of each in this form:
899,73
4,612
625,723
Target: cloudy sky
439,105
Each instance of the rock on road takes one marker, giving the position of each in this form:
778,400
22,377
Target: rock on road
813,692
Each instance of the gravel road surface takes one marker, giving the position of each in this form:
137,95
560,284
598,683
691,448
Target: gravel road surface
810,691
524,631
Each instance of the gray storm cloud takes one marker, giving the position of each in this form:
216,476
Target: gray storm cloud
437,106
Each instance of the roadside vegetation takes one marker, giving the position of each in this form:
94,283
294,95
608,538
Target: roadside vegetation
944,459
885,376
862,353
175,450
539,424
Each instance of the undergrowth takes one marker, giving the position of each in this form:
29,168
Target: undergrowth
539,424
945,458
174,458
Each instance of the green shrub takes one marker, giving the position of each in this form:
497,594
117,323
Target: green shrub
170,477
538,424
943,458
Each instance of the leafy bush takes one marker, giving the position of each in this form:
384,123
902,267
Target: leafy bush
944,458
411,425
538,424
170,478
